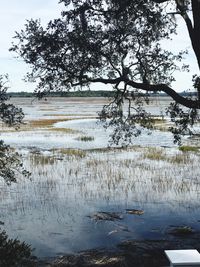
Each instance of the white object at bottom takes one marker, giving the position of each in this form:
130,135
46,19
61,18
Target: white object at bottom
184,257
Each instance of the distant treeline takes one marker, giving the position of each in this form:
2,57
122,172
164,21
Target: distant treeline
88,93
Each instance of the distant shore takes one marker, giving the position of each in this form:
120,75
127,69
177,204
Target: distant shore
89,93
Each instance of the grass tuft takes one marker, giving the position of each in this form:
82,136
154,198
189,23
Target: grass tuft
39,159
73,152
64,130
180,159
155,154
85,138
44,122
189,149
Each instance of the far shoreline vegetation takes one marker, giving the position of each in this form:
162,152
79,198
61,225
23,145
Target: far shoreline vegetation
88,93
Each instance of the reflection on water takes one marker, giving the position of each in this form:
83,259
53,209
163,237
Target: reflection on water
51,212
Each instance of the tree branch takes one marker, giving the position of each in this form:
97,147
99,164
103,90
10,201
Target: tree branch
152,88
193,30
160,1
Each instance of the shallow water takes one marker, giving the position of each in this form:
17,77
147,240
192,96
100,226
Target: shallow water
52,210
82,113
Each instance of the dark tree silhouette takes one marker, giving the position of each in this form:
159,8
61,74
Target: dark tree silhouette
116,42
10,161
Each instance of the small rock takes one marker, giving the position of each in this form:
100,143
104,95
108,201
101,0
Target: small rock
106,216
134,211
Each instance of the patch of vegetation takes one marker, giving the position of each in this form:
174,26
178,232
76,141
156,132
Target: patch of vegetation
182,231
160,124
14,253
159,154
153,153
85,138
72,152
127,163
158,120
48,109
94,163
162,127
39,159
91,258
180,159
48,123
130,253
64,115
99,149
189,149
108,149
44,122
65,130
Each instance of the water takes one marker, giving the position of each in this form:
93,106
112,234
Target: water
52,210
80,115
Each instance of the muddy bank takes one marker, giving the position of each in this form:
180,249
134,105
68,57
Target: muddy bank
127,254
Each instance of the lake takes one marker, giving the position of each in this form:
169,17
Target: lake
75,176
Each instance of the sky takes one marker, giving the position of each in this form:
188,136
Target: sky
13,16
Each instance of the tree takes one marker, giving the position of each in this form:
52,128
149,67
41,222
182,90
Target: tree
14,253
116,42
10,161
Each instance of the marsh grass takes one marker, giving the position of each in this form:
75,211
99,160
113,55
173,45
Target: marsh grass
48,109
44,123
48,123
94,163
162,128
77,153
160,124
85,138
189,149
34,125
8,130
154,154
115,149
39,159
66,115
85,182
158,120
159,154
64,130
180,158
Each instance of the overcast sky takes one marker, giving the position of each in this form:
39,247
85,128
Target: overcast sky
13,15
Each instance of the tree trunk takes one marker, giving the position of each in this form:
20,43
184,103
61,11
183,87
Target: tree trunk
195,38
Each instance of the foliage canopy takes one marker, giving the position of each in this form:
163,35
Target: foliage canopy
116,42
10,161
